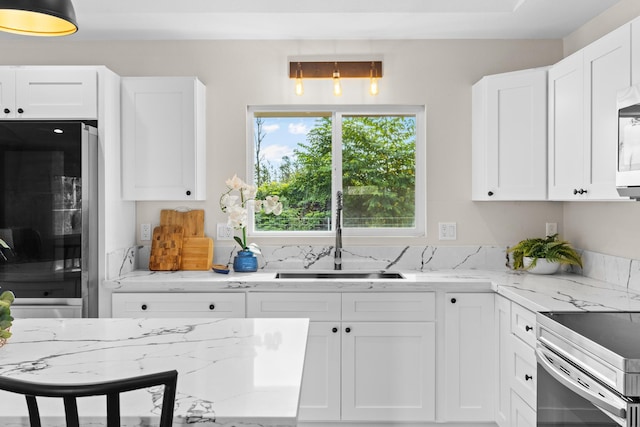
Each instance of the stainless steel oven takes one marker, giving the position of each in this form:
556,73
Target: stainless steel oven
588,369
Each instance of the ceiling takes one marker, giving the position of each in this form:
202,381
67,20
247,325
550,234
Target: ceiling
331,19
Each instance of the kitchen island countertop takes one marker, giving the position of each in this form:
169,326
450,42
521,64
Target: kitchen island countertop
241,372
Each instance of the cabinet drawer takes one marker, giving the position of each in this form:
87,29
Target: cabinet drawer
523,370
521,414
523,324
177,305
400,306
312,305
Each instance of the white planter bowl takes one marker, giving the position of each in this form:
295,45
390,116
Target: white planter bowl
542,266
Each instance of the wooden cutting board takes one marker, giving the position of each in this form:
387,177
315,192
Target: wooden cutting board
197,253
191,221
166,248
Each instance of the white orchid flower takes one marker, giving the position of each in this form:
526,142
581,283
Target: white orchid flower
235,183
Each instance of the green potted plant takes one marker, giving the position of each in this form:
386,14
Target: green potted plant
6,299
543,255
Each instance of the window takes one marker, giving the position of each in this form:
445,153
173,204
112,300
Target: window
374,155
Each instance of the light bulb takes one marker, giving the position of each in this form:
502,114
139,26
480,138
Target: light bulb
299,86
337,87
373,86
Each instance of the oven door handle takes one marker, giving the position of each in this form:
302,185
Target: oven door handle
568,382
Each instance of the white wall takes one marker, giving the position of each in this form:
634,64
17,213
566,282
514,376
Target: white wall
438,74
611,228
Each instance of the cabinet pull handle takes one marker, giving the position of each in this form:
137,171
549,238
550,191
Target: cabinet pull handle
490,193
212,307
334,329
575,191
188,192
347,329
20,110
527,377
583,191
528,328
143,306
7,111
453,300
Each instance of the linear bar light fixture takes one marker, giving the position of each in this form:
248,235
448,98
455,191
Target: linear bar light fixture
38,17
336,70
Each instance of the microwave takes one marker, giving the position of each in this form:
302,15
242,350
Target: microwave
628,168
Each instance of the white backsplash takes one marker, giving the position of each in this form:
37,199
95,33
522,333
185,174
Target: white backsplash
619,271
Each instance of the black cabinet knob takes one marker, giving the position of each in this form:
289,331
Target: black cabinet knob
46,293
188,192
490,193
528,377
528,328
453,300
212,307
20,110
7,111
144,306
334,329
347,330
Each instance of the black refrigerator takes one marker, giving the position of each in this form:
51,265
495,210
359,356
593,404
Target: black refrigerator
48,217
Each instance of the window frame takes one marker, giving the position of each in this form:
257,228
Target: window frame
337,112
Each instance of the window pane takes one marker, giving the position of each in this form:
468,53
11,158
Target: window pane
378,171
293,161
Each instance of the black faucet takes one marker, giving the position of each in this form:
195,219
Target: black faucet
337,258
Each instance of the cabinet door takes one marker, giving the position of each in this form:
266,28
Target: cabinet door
635,51
51,93
158,305
320,395
523,371
566,118
388,371
607,71
7,93
510,146
469,357
503,383
163,141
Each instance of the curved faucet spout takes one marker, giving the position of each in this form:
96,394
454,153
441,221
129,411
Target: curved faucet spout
337,258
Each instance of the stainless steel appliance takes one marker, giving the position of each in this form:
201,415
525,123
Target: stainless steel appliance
588,369
48,221
628,168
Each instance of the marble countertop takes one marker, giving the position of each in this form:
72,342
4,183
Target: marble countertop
230,371
536,292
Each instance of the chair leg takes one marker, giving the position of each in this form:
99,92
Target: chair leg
113,410
71,412
34,414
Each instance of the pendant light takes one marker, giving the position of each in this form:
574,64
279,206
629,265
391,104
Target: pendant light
38,17
337,87
373,81
299,87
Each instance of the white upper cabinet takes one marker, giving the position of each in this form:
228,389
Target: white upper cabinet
583,118
509,150
635,51
163,138
48,93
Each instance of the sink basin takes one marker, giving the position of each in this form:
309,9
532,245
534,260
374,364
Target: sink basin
338,275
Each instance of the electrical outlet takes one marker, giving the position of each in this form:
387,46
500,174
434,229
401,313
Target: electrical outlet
224,232
145,232
447,231
551,228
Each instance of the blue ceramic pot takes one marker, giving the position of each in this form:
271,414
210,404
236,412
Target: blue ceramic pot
245,262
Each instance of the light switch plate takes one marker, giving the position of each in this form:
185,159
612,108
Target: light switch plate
447,231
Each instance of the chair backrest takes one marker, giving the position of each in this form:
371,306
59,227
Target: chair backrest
110,389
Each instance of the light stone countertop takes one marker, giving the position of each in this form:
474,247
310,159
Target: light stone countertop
241,372
536,292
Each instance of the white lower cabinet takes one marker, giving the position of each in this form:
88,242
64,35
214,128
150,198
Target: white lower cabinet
369,358
517,366
170,304
469,357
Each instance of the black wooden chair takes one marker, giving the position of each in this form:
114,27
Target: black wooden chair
110,389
